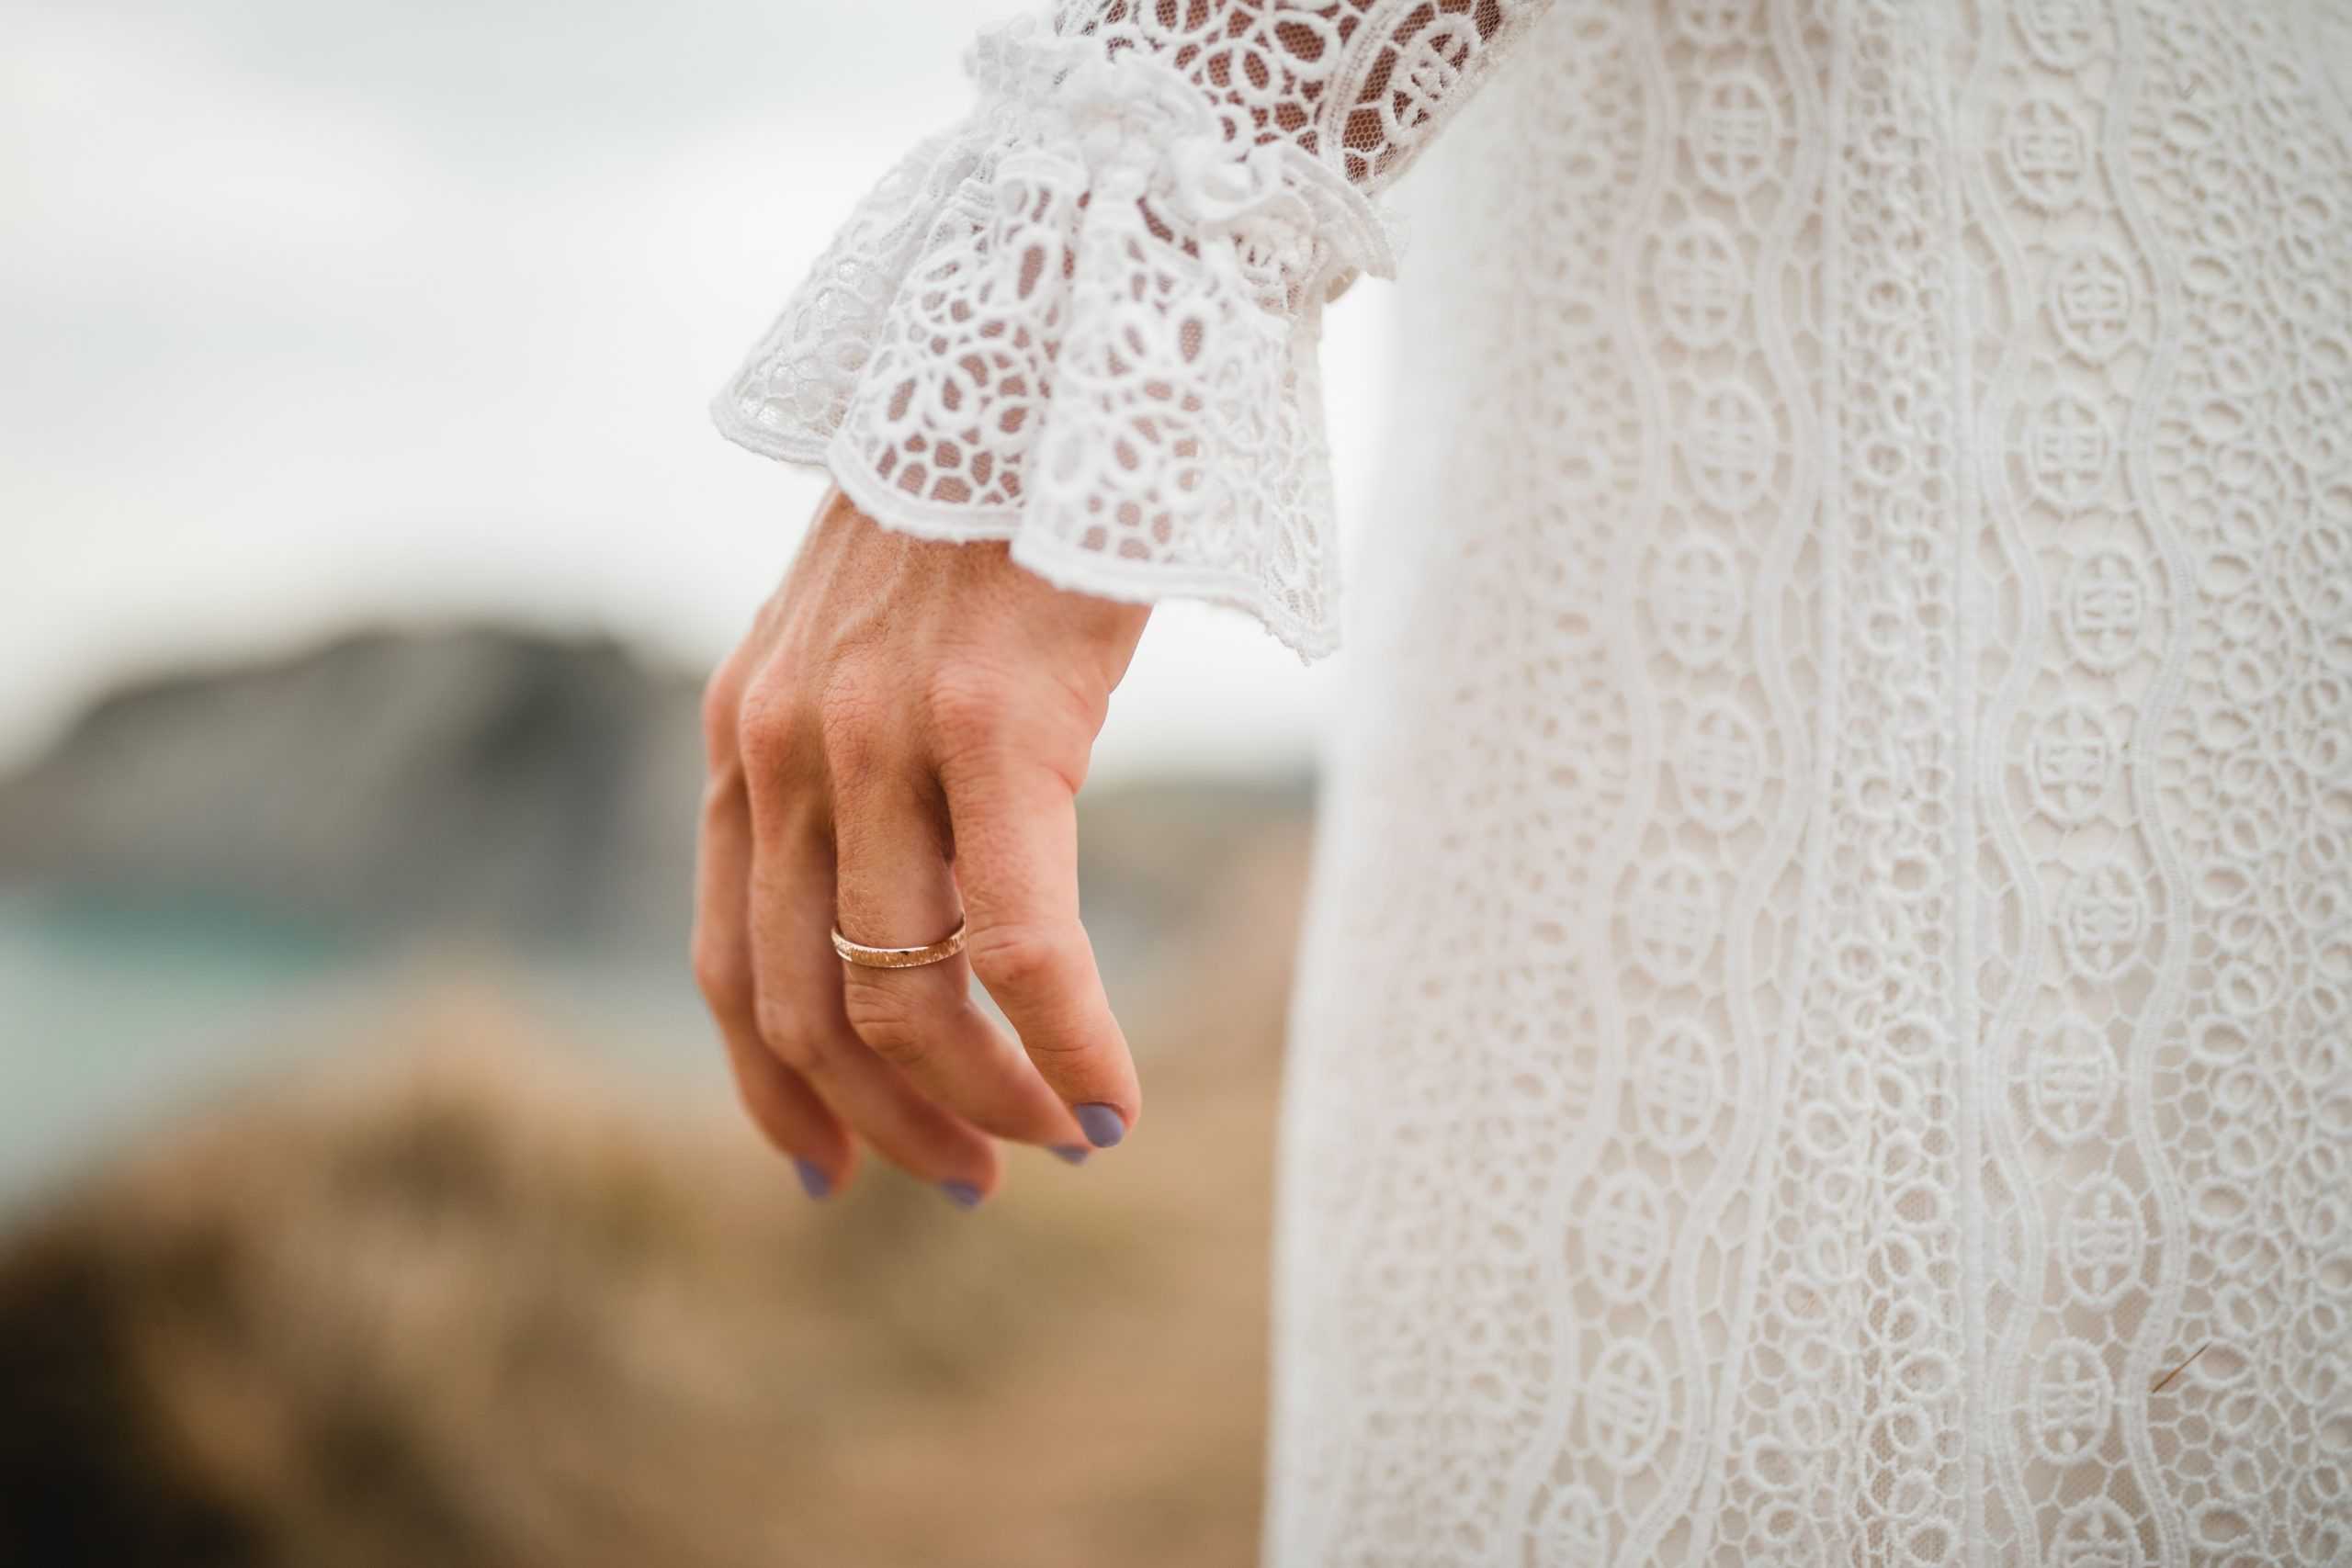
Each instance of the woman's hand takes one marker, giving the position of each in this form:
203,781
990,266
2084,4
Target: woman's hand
898,746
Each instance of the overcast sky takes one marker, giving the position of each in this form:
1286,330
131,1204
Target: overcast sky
314,316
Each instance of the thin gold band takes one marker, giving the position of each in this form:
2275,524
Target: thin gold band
866,957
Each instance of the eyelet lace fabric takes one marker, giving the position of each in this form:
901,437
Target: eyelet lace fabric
1826,1029
1085,320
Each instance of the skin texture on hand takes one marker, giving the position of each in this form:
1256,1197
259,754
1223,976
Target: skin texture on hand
898,744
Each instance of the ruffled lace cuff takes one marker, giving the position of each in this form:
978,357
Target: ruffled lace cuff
1085,320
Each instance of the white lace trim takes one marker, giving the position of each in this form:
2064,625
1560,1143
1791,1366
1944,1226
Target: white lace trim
1085,322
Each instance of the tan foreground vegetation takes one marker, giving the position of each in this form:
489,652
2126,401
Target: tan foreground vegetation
475,1304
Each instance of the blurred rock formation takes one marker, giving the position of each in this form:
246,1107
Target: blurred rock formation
494,783
474,779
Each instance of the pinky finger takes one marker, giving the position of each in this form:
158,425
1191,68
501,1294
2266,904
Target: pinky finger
779,1101
791,1116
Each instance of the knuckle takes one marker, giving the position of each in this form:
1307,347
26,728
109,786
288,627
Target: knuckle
1020,959
849,719
773,733
722,697
786,1031
719,973
764,722
889,1026
968,707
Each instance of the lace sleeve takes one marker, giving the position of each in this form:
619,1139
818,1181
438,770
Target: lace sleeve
1085,318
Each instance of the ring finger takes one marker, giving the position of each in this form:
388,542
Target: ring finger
801,1017
894,889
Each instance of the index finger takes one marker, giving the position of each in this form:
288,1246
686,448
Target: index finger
1015,831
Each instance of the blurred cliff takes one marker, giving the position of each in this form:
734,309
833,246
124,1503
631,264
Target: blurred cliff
472,779
430,1235
479,782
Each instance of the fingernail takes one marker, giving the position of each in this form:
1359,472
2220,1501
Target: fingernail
1071,1154
963,1194
813,1180
1103,1125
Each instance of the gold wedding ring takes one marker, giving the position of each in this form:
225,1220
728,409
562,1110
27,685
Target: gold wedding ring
866,957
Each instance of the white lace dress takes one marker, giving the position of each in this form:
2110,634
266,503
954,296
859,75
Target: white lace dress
1826,1034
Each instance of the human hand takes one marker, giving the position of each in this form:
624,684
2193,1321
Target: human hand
895,746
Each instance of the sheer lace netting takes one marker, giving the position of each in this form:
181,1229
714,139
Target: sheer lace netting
1085,320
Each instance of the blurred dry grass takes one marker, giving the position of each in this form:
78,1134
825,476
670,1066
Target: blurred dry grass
477,1307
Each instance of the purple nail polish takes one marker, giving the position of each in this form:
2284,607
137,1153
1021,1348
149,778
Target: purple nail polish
813,1180
963,1194
1103,1125
1071,1154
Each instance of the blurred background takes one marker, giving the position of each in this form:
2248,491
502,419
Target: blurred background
370,1188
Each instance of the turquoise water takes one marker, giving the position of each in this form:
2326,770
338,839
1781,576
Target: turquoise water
117,1019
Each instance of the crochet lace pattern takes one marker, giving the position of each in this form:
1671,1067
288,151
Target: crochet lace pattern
1827,1036
1085,320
